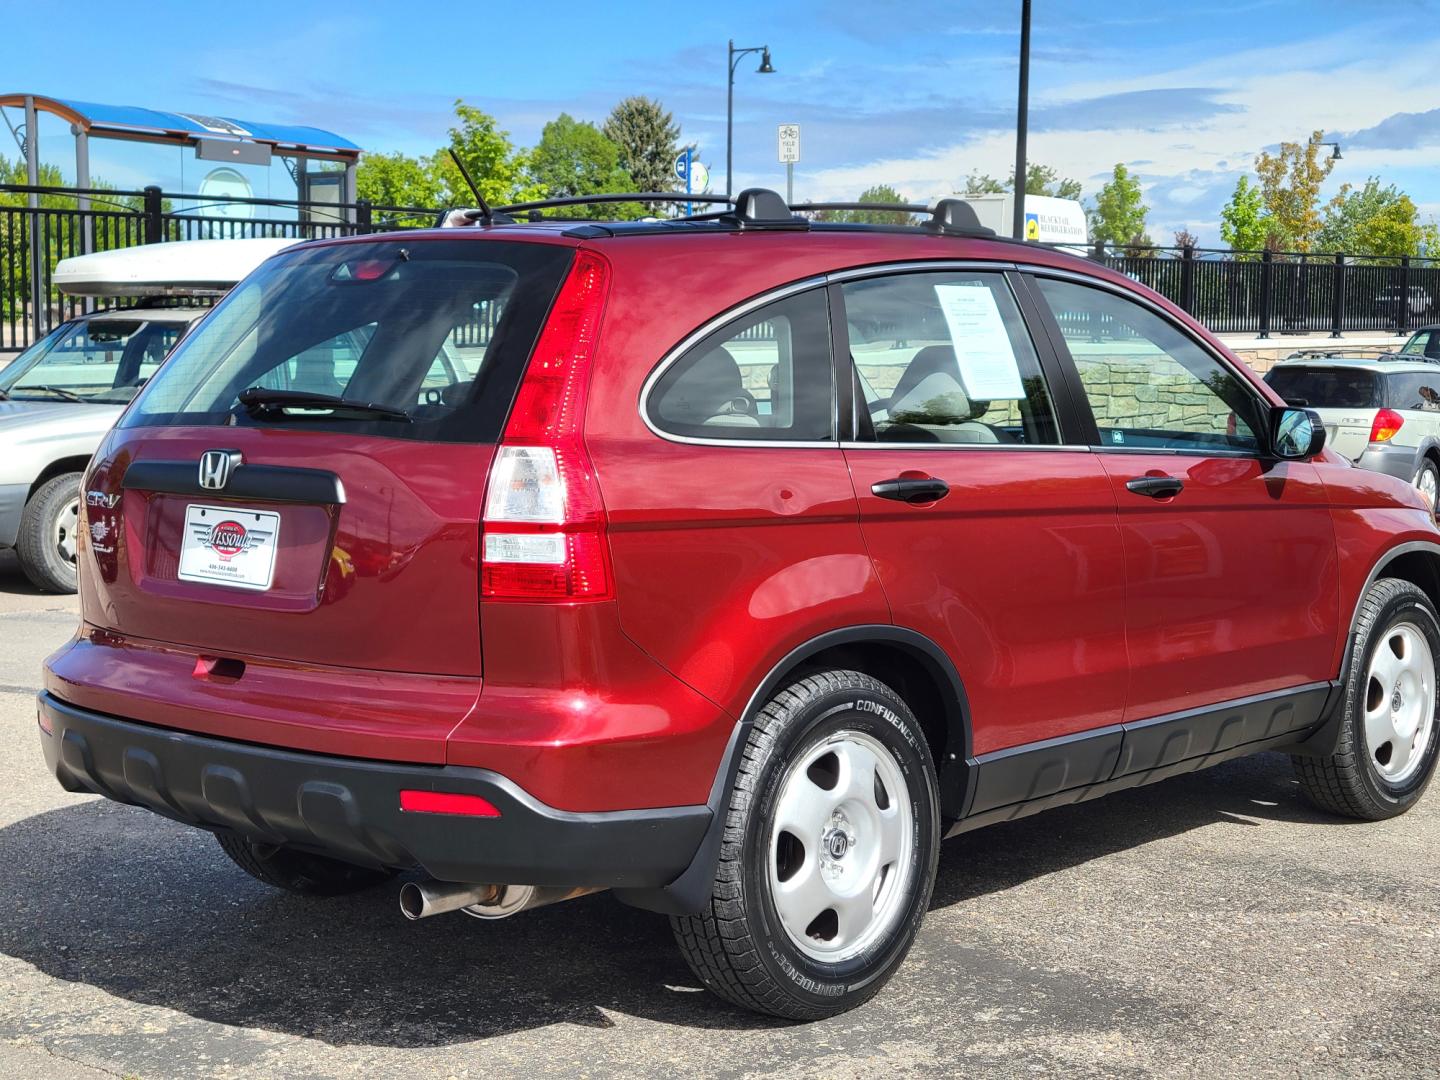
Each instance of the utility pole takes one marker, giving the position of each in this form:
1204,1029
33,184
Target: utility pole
1022,121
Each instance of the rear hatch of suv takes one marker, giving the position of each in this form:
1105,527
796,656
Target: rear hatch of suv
1347,398
302,481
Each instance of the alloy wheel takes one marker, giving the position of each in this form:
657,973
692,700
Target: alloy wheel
1400,703
840,851
66,533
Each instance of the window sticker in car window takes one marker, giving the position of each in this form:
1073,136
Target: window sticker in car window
983,349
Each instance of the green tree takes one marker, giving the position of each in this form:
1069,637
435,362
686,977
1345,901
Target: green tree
1039,180
648,138
1120,211
400,180
879,193
1372,220
1244,225
576,158
1290,185
500,170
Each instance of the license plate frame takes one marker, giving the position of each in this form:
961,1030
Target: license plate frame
231,546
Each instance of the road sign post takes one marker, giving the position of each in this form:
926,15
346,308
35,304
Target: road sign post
683,171
789,154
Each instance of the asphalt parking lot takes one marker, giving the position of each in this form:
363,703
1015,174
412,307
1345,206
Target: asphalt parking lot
1209,926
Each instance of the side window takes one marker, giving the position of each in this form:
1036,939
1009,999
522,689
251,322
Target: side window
1419,344
1414,391
944,358
766,376
1150,385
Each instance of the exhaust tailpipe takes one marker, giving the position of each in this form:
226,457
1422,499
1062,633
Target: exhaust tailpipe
421,899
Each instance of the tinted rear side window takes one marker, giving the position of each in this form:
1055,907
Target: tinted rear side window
439,329
1412,391
1326,388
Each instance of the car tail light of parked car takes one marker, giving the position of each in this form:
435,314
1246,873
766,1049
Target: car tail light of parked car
1386,425
544,527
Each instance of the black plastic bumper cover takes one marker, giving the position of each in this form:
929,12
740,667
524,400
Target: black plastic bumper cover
350,808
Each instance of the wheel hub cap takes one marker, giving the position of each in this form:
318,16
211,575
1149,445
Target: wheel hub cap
1399,708
840,846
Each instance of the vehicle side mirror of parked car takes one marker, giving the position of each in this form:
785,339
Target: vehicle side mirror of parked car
1298,433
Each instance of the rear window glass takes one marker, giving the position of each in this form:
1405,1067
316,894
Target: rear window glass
1321,388
432,336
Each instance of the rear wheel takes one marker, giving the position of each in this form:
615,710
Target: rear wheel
829,852
1427,481
1388,741
297,871
50,534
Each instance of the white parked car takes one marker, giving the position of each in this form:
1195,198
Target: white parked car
60,396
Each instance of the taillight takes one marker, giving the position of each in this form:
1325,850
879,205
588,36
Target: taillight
544,526
1387,422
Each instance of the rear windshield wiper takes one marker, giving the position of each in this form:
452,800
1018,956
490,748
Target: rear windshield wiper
58,391
260,402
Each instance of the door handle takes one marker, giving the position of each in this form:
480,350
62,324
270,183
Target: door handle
1156,487
911,490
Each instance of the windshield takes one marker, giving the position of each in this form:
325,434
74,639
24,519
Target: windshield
438,330
100,361
1321,388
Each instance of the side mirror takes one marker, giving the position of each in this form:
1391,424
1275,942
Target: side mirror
1297,434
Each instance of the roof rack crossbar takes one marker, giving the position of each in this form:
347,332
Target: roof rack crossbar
898,208
622,197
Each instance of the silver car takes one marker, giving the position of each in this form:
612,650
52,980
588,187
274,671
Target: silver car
57,400
1383,415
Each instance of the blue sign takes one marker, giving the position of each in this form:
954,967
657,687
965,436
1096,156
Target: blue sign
682,165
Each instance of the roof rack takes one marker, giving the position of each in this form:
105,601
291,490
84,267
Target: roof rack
753,208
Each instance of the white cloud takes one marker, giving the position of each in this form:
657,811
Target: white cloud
1279,93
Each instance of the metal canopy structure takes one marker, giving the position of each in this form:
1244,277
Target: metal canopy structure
208,134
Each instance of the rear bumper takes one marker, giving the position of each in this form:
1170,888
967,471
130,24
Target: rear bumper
1397,461
350,808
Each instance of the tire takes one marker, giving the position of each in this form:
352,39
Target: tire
748,948
1427,481
47,542
1389,737
295,871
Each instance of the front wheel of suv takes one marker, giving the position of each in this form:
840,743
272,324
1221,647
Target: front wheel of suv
1388,742
828,856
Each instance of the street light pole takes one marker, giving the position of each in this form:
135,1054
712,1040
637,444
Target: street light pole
732,59
1022,122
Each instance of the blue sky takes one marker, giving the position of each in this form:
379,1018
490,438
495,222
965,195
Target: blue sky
917,94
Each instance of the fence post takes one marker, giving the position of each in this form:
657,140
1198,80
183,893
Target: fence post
154,225
364,216
1267,269
1337,298
1402,322
1187,279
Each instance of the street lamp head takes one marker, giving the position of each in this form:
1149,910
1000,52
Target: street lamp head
1336,155
765,68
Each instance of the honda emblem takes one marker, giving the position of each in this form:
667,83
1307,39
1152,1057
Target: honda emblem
216,467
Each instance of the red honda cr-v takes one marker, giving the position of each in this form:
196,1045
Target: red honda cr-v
726,563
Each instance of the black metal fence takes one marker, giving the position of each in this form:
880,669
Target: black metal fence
1266,293
1260,293
77,221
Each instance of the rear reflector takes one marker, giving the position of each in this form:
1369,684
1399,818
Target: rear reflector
446,802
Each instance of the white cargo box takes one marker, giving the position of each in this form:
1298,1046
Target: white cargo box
178,268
